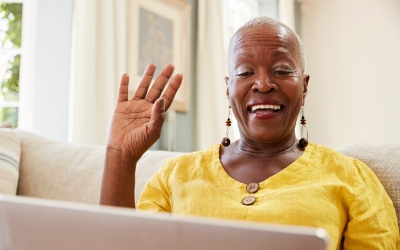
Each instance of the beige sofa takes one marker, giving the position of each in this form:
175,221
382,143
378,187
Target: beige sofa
49,169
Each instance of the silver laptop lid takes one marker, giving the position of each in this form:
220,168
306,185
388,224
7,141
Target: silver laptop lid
32,223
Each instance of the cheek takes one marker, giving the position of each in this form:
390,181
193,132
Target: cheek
237,94
294,91
235,100
233,103
232,92
239,88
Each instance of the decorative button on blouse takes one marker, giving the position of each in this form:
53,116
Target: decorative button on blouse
252,188
248,200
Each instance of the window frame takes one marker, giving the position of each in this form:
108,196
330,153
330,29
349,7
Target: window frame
26,52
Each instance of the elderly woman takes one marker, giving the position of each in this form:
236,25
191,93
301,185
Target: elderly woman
267,175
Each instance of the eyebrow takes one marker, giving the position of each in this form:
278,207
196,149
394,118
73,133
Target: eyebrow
246,55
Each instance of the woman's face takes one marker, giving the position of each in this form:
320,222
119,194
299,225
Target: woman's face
266,87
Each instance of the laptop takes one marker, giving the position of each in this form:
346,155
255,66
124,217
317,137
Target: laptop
33,223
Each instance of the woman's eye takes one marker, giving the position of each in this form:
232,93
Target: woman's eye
245,74
283,72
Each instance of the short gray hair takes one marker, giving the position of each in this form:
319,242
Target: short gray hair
264,21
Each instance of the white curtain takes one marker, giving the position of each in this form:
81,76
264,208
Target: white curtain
286,13
211,100
98,61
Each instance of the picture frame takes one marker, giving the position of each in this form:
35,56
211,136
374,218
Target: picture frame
159,32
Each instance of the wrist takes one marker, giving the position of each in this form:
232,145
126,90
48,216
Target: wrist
118,183
120,154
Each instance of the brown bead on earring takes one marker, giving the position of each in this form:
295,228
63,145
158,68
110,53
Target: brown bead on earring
225,141
304,132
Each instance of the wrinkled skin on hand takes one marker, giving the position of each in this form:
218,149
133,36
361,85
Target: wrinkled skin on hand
136,123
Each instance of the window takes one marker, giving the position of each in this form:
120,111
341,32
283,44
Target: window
10,58
237,12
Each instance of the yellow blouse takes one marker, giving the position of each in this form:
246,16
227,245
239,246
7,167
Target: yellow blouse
322,188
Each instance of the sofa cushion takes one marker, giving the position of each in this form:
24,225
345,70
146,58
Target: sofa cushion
384,160
72,172
59,170
9,161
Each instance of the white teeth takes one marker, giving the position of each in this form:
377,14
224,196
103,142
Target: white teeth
275,107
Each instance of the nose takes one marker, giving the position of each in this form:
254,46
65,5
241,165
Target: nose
264,83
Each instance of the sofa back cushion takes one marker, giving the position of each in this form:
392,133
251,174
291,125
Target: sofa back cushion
384,160
10,150
58,170
72,172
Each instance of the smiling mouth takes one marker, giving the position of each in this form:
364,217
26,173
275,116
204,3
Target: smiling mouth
265,109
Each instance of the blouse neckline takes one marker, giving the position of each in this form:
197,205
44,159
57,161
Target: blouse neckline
295,172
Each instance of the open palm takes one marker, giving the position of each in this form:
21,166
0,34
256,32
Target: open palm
136,123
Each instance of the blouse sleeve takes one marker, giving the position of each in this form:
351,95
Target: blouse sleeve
372,221
155,196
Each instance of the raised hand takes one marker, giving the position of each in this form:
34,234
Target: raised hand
134,126
136,123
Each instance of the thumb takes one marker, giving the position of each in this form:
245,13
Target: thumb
157,116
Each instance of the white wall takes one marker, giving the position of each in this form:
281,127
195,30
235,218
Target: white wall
353,58
52,68
47,68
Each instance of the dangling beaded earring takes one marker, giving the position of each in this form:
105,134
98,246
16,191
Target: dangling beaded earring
225,141
304,132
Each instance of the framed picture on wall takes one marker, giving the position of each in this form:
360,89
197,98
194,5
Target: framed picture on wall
159,32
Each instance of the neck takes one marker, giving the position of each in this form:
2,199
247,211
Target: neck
255,149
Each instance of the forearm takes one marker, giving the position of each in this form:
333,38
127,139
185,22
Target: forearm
118,184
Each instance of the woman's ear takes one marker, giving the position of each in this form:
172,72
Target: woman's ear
227,89
306,78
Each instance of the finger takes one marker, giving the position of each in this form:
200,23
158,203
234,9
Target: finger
172,89
123,88
144,83
157,117
160,82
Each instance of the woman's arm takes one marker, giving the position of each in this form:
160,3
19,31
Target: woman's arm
372,218
134,126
